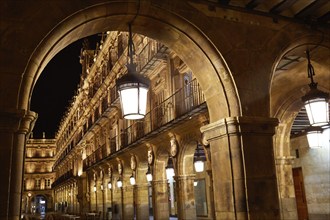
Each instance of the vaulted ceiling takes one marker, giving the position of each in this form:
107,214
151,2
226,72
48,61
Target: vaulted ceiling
309,11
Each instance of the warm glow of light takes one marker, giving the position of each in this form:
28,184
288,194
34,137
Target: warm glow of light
119,183
79,172
326,137
149,177
134,102
132,180
199,166
169,173
314,139
195,183
94,188
109,185
317,111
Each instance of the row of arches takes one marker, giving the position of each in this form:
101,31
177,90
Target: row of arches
231,91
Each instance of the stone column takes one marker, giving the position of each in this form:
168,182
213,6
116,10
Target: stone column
117,201
28,211
243,167
186,197
83,197
128,202
14,127
286,187
160,199
142,202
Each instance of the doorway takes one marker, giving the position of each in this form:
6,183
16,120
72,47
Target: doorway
299,189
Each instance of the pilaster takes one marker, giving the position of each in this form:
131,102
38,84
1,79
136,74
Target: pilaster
186,197
14,127
128,202
160,199
243,167
286,187
142,202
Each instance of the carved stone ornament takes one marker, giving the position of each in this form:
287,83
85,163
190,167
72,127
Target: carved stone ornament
150,157
174,146
110,171
120,168
204,140
133,162
101,174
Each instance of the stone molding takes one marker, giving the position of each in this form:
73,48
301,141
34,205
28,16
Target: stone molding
239,125
159,182
21,121
285,160
185,177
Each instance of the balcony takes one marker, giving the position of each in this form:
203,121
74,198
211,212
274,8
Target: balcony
62,178
184,102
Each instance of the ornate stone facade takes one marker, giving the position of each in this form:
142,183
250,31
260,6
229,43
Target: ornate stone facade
247,59
37,196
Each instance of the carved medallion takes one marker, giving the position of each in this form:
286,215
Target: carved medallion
174,146
120,168
150,157
133,162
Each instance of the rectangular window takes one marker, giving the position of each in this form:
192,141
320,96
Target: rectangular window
37,183
47,183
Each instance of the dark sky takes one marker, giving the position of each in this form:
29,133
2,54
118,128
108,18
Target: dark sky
56,86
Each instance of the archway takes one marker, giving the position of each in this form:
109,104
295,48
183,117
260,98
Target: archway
178,34
285,107
39,205
175,32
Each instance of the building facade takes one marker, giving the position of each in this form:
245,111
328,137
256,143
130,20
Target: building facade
37,195
246,57
97,147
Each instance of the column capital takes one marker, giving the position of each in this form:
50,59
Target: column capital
159,182
239,125
184,177
285,160
141,186
17,120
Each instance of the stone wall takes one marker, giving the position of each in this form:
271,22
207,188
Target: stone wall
315,164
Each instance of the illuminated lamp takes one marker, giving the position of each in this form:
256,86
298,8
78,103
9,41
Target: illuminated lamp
314,137
132,87
315,100
149,175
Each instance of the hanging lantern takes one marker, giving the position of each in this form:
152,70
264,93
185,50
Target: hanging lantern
315,101
119,183
149,175
169,169
314,137
109,185
133,88
94,188
199,166
199,163
195,182
132,180
101,187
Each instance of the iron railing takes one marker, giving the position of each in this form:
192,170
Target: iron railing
180,103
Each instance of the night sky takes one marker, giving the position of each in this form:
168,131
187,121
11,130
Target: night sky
56,87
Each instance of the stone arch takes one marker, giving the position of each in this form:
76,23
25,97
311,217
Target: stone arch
285,96
186,157
172,30
285,107
160,162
